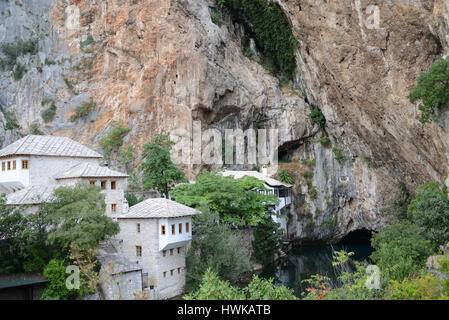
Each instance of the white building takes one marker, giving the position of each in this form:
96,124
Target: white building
156,234
280,189
33,167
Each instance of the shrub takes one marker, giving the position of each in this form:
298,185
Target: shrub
424,287
84,110
89,40
338,153
48,114
284,176
317,117
432,90
132,199
11,122
367,160
35,129
325,141
114,139
429,210
13,50
400,250
55,272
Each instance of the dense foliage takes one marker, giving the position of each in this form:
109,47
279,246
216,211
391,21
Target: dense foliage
158,170
267,240
214,288
284,176
432,90
267,23
215,246
236,200
317,117
429,210
400,250
83,110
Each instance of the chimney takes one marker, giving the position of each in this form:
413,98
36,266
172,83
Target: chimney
265,171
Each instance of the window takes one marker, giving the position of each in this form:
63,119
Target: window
9,165
24,164
3,166
138,228
179,250
171,252
187,227
180,228
164,253
103,185
171,272
113,185
14,165
165,274
179,270
163,229
114,207
173,229
138,251
92,182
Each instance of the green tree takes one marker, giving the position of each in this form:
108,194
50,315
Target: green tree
159,171
429,210
236,200
267,240
400,250
77,217
217,247
432,90
132,199
114,139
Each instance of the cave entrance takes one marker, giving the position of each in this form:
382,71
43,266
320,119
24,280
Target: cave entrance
357,236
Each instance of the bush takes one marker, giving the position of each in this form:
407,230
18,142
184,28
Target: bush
400,250
132,199
11,122
13,50
36,129
114,139
55,272
18,71
432,90
84,110
424,287
429,210
338,153
267,241
89,40
49,114
368,161
284,176
317,117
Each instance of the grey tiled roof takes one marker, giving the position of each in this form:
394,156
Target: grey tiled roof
158,208
88,170
270,181
21,279
31,195
48,146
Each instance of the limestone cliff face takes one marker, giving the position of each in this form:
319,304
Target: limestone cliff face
158,65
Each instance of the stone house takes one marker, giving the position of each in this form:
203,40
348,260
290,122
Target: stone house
156,234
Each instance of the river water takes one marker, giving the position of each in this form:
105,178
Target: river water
304,261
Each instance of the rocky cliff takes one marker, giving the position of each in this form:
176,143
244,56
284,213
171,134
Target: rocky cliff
159,65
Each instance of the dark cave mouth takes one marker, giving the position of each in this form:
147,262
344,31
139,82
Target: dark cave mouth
362,236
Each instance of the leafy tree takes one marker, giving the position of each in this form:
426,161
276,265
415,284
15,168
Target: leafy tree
132,199
432,90
429,210
217,247
284,176
78,217
236,200
400,250
267,240
159,171
213,288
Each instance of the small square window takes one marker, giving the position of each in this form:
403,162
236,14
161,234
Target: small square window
180,228
14,165
138,228
163,229
25,164
173,229
113,185
187,227
3,166
9,165
165,274
179,270
179,250
171,252
171,272
164,253
103,185
138,251
114,207
92,182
